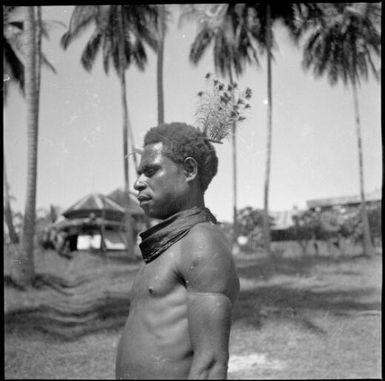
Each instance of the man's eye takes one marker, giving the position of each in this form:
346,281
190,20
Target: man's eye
150,172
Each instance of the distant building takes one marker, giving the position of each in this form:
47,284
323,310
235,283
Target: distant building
283,221
97,221
373,198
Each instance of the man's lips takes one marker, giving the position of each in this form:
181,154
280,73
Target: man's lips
142,198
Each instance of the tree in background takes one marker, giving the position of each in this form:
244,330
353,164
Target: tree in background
375,223
23,272
250,223
13,73
267,14
163,15
342,44
121,32
231,32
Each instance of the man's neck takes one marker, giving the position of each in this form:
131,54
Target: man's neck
196,199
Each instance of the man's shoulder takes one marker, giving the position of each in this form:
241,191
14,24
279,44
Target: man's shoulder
206,234
205,242
206,262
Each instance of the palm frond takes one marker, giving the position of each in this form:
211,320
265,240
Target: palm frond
233,30
200,44
91,50
167,17
13,45
139,54
342,41
106,52
192,12
373,67
12,65
81,17
47,63
142,21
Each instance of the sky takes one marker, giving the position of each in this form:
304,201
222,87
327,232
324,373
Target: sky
314,144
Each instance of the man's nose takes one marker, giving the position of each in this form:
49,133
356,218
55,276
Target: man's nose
139,183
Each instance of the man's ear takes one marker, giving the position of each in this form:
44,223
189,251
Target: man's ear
190,167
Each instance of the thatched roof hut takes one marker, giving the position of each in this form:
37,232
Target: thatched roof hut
96,204
123,198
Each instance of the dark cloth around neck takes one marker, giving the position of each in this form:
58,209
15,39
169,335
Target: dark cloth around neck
160,237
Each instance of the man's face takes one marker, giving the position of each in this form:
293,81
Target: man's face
161,183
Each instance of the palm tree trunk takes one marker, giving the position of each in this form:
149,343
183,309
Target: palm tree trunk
160,55
235,189
133,149
125,132
367,242
103,246
38,35
23,272
7,208
126,127
266,222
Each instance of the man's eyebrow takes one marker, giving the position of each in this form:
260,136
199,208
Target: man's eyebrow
147,167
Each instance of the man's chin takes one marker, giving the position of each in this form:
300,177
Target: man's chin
156,211
157,214
149,211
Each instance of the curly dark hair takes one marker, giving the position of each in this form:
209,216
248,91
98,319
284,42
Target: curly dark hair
180,141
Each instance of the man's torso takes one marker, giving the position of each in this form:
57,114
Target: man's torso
155,342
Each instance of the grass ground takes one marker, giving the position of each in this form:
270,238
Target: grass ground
298,317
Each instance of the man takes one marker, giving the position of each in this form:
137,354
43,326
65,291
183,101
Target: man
183,295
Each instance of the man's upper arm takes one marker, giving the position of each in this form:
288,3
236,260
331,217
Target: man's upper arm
207,268
206,263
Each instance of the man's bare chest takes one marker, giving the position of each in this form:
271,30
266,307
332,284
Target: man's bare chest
157,279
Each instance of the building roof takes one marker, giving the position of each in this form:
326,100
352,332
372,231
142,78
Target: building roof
121,197
96,203
343,200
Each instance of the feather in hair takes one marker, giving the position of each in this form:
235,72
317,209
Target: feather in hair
219,108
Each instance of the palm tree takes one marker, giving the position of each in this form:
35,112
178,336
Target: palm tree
162,28
14,47
267,14
230,29
24,272
342,45
266,224
120,32
13,72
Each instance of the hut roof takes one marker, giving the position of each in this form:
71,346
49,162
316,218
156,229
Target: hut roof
98,204
122,198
